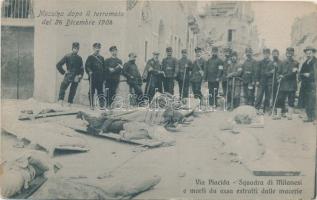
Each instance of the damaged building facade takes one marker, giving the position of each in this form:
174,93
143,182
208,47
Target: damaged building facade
304,34
228,24
139,27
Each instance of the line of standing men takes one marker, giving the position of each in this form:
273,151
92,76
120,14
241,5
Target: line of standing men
272,80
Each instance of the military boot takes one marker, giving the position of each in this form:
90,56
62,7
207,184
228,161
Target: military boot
290,114
61,102
278,114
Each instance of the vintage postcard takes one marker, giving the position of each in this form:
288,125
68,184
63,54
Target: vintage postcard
157,99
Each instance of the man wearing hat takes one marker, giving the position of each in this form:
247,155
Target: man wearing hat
169,67
95,69
227,62
113,68
132,73
197,74
249,71
153,76
235,73
287,78
73,75
264,77
213,71
183,71
308,77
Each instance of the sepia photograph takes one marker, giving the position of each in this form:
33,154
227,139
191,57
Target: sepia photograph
158,99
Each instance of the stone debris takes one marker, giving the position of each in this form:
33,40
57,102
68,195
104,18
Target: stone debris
96,188
61,138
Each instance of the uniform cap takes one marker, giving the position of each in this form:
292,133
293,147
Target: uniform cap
275,50
113,48
214,49
227,50
266,50
234,53
290,49
198,49
169,49
75,45
132,55
248,50
156,53
97,45
310,48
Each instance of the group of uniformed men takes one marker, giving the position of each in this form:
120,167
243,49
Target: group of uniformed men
252,81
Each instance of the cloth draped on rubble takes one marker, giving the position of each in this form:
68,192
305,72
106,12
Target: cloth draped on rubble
49,136
123,187
19,173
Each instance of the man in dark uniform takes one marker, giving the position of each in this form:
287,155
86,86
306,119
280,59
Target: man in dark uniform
75,71
153,76
235,72
226,63
277,64
287,79
197,74
213,71
264,78
113,68
183,71
169,67
132,73
249,71
94,67
307,77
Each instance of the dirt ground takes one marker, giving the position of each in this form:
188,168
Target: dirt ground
202,151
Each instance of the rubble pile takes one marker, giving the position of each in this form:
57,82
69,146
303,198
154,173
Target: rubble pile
245,115
93,188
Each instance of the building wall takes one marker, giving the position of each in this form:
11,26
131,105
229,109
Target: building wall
146,26
53,42
220,17
304,33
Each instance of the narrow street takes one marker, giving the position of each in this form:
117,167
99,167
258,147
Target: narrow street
202,151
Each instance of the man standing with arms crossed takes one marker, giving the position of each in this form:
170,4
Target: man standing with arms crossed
113,68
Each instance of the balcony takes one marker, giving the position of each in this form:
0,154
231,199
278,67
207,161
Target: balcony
17,13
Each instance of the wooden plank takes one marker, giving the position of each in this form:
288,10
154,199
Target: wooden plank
272,165
53,114
117,137
34,185
143,142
